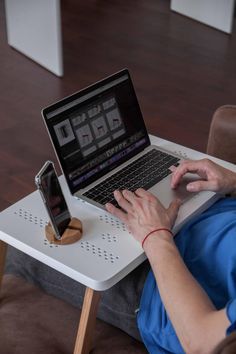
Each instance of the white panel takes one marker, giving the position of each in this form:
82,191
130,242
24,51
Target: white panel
215,13
34,28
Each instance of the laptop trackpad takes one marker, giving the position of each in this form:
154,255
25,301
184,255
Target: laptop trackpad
166,194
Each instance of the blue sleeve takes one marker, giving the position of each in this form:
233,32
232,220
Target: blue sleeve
231,313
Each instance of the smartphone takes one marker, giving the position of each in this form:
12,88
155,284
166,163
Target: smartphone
49,187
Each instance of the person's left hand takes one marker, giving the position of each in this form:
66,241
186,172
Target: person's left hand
142,212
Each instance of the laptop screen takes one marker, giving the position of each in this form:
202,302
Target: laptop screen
96,129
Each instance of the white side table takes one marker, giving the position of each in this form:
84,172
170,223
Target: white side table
216,13
105,254
34,28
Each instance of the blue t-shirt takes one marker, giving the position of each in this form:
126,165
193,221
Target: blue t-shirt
208,247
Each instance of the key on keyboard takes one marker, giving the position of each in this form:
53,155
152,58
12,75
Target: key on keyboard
144,172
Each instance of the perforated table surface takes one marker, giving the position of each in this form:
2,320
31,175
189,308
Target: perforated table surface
105,254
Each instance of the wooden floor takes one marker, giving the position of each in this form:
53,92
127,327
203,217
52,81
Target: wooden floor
182,71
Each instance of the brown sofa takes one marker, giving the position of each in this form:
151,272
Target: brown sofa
32,322
222,135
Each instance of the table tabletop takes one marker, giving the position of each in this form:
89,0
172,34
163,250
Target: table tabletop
106,252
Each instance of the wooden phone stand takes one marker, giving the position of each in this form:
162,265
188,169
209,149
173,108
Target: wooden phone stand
72,233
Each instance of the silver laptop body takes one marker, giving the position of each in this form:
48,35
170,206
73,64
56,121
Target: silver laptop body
102,144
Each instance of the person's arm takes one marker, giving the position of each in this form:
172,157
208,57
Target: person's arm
198,325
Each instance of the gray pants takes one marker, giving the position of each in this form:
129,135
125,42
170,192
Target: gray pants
117,305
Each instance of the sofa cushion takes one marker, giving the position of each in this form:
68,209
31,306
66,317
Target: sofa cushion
32,321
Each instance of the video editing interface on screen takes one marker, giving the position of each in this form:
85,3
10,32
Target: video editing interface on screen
97,131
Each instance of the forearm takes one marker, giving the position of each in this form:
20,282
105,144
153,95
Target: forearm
198,325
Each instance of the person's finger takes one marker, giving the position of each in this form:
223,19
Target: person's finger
199,186
182,169
123,202
142,193
172,168
173,209
129,196
116,212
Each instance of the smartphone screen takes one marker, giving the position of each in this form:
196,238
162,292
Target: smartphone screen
51,192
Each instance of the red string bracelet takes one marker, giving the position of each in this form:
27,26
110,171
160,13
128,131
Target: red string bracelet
151,232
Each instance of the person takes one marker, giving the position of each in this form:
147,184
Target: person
188,302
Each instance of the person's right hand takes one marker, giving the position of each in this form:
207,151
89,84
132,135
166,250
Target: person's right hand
212,176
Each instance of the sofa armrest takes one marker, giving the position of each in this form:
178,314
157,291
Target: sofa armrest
222,135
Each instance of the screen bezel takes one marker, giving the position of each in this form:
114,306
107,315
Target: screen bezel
69,100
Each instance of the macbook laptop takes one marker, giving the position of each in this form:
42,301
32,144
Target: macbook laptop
102,144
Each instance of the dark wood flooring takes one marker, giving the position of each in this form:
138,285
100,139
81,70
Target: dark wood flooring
182,71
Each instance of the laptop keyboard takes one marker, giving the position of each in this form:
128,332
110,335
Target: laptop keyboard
144,172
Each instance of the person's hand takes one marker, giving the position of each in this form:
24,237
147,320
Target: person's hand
142,212
213,177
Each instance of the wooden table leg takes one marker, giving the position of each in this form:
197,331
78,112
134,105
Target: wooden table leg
3,252
87,321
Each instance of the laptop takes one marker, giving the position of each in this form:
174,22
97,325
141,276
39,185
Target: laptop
102,144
